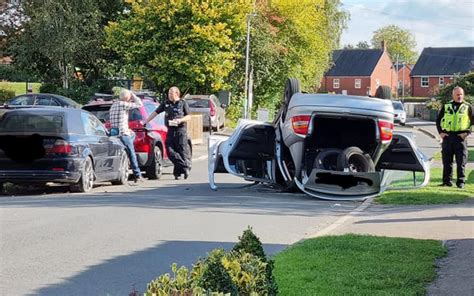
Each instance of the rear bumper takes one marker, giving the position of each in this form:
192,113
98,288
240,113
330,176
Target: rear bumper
31,176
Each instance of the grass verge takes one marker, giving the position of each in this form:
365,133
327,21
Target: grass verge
357,265
432,193
19,87
470,155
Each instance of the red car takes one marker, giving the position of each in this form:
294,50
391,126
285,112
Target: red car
149,143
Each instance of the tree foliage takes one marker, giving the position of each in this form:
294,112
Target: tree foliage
399,42
192,44
464,81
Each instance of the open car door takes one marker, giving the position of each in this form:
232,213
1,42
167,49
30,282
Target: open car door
248,153
403,164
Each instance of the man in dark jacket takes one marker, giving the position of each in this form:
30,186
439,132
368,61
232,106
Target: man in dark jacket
176,115
454,126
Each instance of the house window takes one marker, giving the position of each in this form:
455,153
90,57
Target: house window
335,83
357,83
441,81
377,81
424,82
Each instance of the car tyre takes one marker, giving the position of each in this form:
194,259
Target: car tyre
354,160
123,170
155,170
327,159
86,182
292,86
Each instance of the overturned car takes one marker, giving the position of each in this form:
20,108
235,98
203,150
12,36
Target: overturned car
334,147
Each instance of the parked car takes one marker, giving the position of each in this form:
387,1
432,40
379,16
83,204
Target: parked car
27,100
399,116
213,112
63,145
149,143
328,146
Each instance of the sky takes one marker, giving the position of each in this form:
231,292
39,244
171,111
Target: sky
434,23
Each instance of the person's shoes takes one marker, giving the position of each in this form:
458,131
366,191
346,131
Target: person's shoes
448,184
460,185
186,173
177,177
138,179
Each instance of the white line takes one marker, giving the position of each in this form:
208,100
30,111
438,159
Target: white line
339,222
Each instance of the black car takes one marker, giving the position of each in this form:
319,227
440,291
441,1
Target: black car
63,145
41,100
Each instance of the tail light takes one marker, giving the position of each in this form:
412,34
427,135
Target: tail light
60,147
386,130
212,111
141,143
300,124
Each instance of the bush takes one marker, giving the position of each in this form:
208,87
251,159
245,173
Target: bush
78,91
5,95
213,276
13,74
434,105
465,81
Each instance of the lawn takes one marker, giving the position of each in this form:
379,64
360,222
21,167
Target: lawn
357,265
19,87
432,193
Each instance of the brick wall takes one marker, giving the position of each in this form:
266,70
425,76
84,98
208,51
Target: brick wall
347,83
433,86
384,74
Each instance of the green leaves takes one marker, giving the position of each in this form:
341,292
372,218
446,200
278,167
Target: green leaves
399,42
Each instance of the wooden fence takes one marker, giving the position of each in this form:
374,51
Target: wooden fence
195,128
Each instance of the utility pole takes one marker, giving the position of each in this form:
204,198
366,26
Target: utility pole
247,49
403,83
396,67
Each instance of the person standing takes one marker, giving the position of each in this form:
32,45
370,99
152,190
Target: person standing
177,114
119,126
454,126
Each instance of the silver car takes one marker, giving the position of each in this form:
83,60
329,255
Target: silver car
399,116
332,147
213,112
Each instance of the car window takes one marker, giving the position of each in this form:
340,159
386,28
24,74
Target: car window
54,102
135,114
19,122
22,101
198,103
92,126
68,101
160,118
397,105
43,101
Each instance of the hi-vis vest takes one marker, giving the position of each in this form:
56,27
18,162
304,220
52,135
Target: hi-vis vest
456,121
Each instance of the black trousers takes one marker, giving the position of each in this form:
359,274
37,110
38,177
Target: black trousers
178,150
454,145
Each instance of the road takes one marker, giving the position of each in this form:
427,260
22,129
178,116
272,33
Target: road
118,237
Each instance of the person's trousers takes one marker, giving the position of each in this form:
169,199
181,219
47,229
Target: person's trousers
128,142
178,150
454,146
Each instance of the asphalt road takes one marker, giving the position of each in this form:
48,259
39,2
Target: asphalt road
120,237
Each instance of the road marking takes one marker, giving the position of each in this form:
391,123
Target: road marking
339,222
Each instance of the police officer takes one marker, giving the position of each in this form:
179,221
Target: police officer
454,124
176,115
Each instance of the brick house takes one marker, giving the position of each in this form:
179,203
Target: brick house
359,72
437,65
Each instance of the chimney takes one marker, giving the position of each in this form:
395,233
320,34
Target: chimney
384,47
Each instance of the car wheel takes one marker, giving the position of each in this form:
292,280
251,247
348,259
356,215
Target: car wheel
327,159
155,170
86,182
1,188
402,123
292,86
354,160
123,170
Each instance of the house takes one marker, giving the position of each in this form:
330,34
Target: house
359,72
403,78
436,67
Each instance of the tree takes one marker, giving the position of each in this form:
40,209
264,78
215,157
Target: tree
60,36
188,43
400,43
359,45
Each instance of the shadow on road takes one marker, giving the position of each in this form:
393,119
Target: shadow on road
118,275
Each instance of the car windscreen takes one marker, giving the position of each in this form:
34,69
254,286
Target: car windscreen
198,103
32,122
22,101
397,105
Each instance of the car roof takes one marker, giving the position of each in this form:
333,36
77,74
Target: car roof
191,97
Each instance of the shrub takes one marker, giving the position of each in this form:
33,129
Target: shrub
213,276
78,91
465,81
178,284
13,74
434,105
5,95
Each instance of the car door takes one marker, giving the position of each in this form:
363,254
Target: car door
248,153
403,164
98,143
